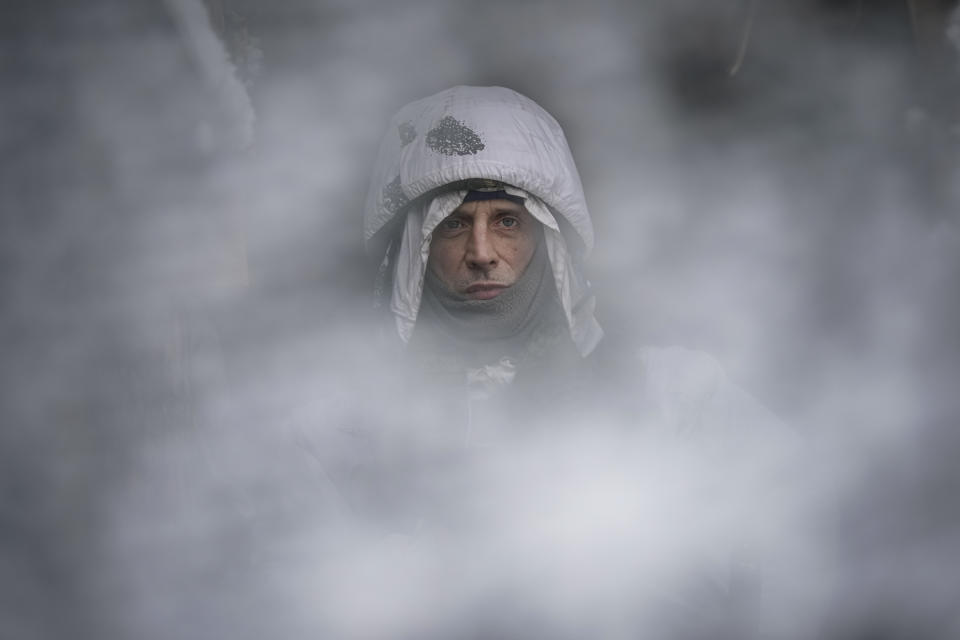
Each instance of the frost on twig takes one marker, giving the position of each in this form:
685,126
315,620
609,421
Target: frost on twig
744,39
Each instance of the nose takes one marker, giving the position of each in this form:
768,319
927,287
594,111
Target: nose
480,252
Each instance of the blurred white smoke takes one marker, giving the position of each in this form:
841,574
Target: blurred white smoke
190,352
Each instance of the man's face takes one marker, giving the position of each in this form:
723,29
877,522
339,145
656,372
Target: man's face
483,247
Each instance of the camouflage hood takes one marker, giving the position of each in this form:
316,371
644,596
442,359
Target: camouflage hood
438,148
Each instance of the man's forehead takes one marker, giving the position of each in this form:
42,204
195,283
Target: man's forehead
494,205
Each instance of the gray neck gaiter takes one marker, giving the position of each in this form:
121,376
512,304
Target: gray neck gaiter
478,331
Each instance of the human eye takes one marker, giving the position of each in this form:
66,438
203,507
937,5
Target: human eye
451,224
509,222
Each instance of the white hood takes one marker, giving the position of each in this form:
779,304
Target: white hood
480,132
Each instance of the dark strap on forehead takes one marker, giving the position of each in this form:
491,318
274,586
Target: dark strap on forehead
483,189
492,195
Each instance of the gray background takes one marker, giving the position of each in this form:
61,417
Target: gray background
171,229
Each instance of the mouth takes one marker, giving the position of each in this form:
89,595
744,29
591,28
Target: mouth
484,290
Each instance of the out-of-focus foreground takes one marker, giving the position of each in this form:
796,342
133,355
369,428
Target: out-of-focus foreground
772,182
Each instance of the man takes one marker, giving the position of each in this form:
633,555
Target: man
477,211
477,216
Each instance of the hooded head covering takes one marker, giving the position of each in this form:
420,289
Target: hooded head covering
440,148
